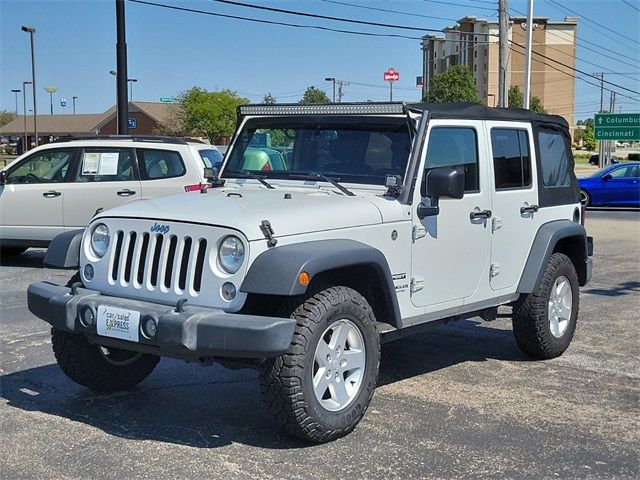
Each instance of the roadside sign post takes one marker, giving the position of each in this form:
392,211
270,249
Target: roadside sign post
391,76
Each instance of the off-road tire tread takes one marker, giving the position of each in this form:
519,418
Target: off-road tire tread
530,323
281,378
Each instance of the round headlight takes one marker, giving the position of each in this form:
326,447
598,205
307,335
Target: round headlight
100,240
231,254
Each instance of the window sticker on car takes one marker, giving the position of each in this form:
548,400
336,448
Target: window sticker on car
96,163
90,163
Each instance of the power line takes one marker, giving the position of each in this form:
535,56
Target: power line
631,5
324,17
388,11
592,21
460,5
271,22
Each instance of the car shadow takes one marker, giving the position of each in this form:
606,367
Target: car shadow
32,258
624,288
213,407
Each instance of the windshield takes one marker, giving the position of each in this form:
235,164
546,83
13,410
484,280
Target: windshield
362,150
601,172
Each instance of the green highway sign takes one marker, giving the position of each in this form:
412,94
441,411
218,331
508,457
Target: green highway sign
617,126
167,99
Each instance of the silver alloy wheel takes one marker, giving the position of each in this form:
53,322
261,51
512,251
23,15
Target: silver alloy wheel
583,197
560,306
118,357
338,367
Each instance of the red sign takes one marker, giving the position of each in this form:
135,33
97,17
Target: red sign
391,75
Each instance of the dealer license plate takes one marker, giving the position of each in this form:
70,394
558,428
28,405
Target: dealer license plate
118,323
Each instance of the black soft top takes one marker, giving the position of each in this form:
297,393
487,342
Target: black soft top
475,111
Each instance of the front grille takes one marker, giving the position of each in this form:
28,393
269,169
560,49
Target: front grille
158,261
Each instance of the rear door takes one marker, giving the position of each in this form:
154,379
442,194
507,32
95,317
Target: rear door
103,178
514,201
32,198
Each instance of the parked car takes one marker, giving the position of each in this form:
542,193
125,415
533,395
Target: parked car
594,160
384,218
617,184
60,186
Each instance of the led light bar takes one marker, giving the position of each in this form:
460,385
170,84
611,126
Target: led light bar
368,108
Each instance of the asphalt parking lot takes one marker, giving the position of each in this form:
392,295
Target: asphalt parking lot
459,401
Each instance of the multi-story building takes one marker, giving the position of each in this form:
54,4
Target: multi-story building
474,42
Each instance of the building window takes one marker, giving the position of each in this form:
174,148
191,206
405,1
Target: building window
475,54
475,68
435,54
457,48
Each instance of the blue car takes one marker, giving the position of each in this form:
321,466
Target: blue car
615,185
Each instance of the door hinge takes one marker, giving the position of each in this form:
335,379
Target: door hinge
418,232
417,284
496,224
494,270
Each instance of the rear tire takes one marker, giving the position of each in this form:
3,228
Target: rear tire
100,368
544,321
585,198
320,389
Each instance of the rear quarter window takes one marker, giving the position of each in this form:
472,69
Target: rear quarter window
210,157
554,160
160,164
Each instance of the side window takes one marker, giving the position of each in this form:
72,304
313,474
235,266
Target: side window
554,160
511,159
106,165
49,166
455,147
625,172
158,164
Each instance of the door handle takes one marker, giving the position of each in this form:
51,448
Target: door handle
483,214
51,194
126,193
529,209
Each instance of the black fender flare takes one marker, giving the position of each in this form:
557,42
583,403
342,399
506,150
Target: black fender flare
276,271
544,243
64,250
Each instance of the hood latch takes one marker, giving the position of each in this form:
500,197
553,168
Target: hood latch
267,231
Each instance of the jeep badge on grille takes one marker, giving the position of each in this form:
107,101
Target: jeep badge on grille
160,228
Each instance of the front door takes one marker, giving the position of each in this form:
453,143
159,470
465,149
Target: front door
31,200
515,201
451,250
623,187
104,178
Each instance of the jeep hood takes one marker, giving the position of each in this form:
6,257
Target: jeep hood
290,211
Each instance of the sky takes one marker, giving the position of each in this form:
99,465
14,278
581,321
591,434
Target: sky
170,51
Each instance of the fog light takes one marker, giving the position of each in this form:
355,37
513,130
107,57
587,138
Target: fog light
88,272
87,317
228,291
149,327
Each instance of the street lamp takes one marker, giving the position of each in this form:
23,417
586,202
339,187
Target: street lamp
24,115
16,92
74,104
51,91
31,31
333,81
130,81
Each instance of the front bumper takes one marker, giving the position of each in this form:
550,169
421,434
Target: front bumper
193,333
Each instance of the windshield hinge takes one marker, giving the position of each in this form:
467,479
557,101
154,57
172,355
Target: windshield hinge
267,231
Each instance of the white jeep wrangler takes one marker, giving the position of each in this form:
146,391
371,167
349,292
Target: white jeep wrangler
333,228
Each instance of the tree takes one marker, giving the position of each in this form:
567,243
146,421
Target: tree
314,95
535,105
516,97
211,114
6,116
589,141
454,85
268,98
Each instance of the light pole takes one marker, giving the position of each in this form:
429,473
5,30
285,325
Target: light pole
333,81
121,67
51,91
74,104
31,31
16,92
25,147
131,81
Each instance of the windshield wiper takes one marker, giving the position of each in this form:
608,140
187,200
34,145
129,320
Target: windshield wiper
250,174
320,176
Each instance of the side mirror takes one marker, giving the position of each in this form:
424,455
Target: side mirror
440,182
607,177
3,178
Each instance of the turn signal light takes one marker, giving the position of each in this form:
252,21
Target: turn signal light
304,279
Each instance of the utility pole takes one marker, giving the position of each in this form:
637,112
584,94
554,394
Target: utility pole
341,85
601,159
527,60
333,81
74,104
612,109
121,57
503,53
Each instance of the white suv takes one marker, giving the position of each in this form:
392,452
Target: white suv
59,186
338,227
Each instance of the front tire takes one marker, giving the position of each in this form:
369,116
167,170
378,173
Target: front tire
585,198
320,389
544,321
100,368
